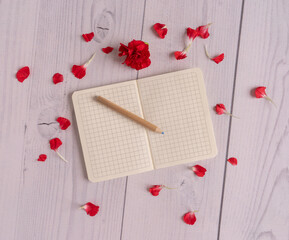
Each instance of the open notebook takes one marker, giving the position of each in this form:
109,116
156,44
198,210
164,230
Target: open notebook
115,146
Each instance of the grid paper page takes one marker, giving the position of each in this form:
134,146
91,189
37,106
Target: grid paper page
113,145
177,103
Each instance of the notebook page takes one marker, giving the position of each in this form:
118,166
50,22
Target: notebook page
113,145
177,103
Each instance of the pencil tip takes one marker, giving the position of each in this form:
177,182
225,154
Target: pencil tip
163,132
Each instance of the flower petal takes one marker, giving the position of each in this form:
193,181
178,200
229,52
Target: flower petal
107,50
220,109
90,209
42,158
161,29
203,31
180,55
190,218
199,170
192,33
23,73
233,161
57,78
55,143
219,58
64,123
155,190
88,36
78,71
260,92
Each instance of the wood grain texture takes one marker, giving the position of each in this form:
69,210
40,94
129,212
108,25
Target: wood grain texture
256,197
148,217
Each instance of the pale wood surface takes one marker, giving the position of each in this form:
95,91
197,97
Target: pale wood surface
41,200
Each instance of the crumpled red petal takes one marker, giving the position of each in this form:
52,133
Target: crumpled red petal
42,158
260,92
90,209
203,31
88,36
220,109
155,190
57,78
107,50
233,161
161,29
219,58
78,71
180,55
23,73
64,123
55,143
192,33
199,170
190,218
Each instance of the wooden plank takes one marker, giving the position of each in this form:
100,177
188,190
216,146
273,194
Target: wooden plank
256,193
41,200
148,217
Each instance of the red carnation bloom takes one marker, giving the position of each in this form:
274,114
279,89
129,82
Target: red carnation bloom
137,54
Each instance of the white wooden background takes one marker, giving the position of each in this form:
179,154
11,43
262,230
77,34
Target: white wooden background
41,200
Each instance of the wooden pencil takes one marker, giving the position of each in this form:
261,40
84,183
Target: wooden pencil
129,114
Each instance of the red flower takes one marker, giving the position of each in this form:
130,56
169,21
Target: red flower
180,55
203,31
199,170
221,109
42,158
190,218
137,54
155,190
80,71
55,143
233,161
216,59
260,92
90,209
88,36
64,123
107,50
23,73
57,78
161,29
192,33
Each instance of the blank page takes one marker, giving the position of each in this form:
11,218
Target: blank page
113,145
177,103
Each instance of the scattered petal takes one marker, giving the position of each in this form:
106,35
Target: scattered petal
90,209
260,92
180,55
55,143
107,50
192,33
190,218
221,109
23,73
203,31
216,59
161,30
233,161
155,190
57,78
64,123
80,71
42,158
88,36
199,170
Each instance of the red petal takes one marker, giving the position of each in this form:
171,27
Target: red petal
23,73
190,218
88,36
55,143
180,55
90,209
161,29
57,78
220,109
192,33
78,71
203,31
199,170
107,50
155,190
233,161
64,123
219,58
260,92
42,158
